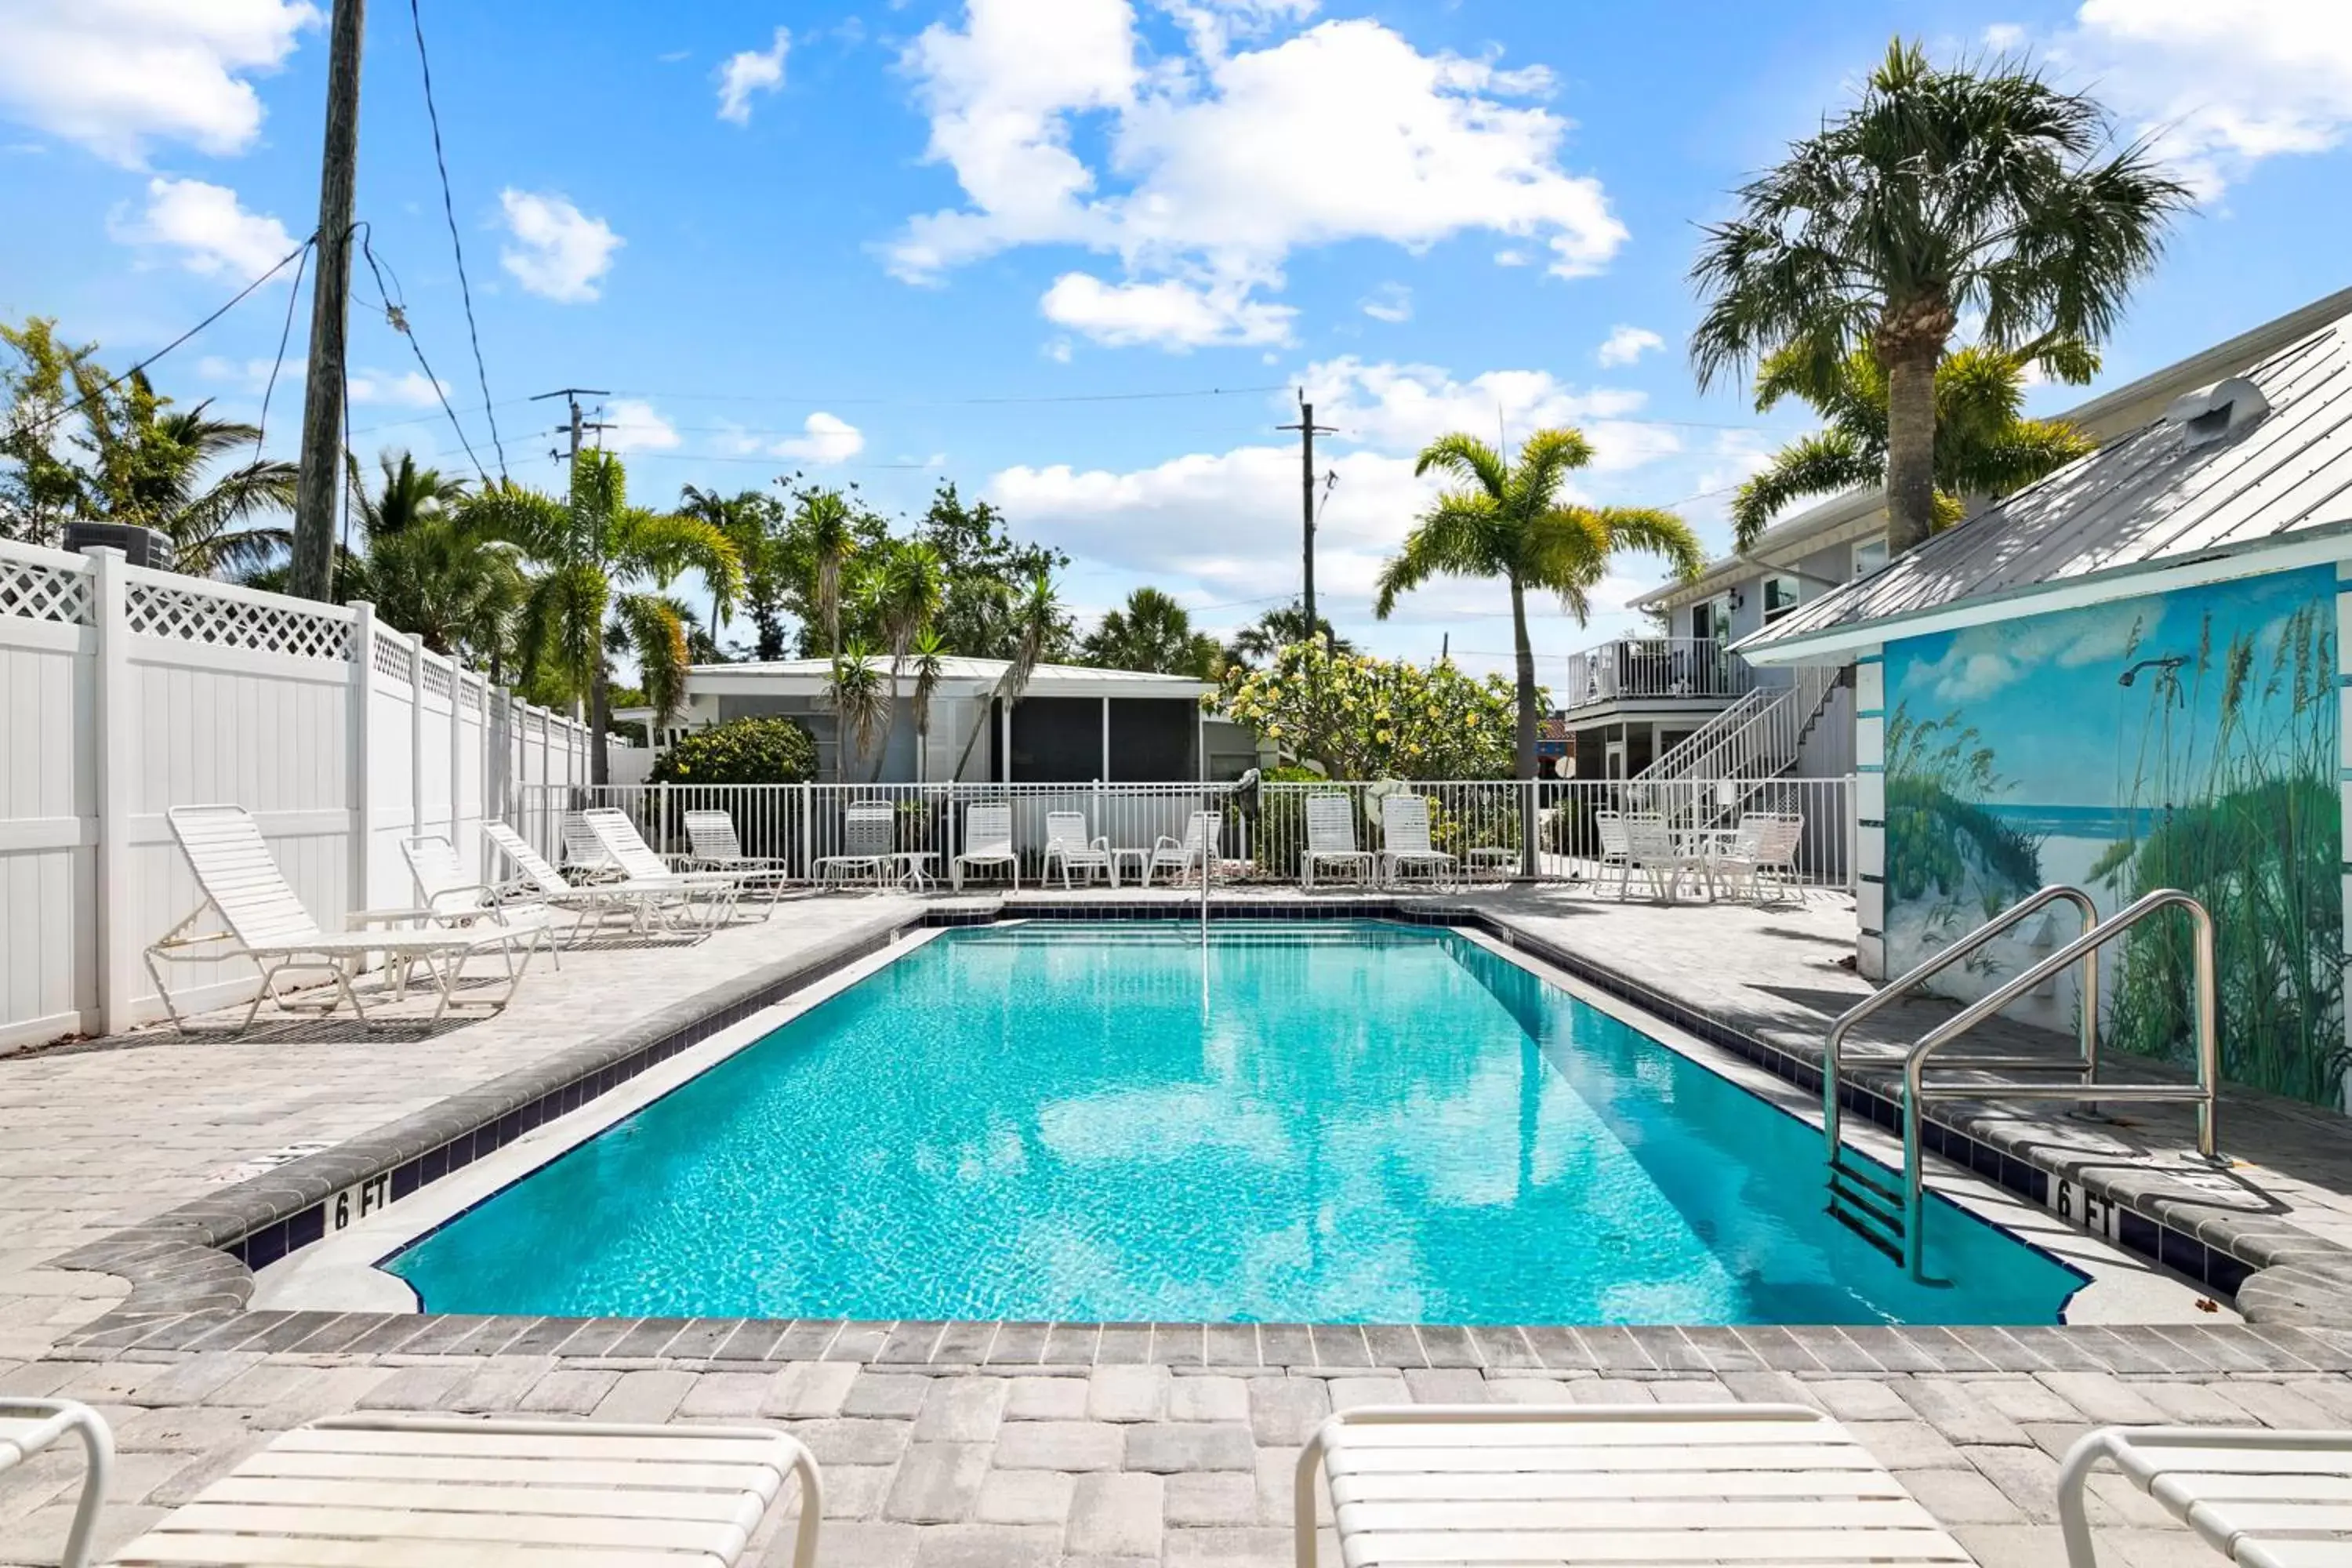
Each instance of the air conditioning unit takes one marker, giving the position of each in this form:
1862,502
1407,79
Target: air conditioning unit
141,546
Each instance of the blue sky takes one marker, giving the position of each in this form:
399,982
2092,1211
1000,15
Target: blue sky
895,243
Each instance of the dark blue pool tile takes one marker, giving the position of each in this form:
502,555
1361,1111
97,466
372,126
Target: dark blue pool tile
2224,1273
859,1342
1179,1344
1019,1344
1233,1345
406,1179
1072,1344
2134,1232
910,1343
2181,1252
1286,1344
1339,1344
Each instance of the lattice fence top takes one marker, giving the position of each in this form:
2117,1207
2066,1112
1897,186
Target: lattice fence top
469,692
436,676
392,658
194,615
37,592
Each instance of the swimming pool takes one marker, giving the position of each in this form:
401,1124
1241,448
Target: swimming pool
1324,1122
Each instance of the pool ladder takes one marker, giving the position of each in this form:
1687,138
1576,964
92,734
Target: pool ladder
1890,1212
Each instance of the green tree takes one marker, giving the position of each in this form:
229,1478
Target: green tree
1944,192
1508,521
1984,444
1360,718
593,552
1152,632
989,574
904,587
42,487
1277,629
927,660
825,536
753,522
752,751
860,701
427,571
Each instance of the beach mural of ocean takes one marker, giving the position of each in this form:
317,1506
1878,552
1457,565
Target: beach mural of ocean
2183,740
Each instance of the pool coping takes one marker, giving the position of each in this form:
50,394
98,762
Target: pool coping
191,1269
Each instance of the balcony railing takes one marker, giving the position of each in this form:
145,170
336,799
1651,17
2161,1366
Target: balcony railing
1640,667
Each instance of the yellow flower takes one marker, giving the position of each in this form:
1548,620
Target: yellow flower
1471,720
1383,736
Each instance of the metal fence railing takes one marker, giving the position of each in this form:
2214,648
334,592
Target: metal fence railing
1488,824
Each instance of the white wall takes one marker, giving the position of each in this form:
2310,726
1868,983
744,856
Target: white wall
125,691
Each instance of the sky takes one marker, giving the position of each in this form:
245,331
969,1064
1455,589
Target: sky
1078,257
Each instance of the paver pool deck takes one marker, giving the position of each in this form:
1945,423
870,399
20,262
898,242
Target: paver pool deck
973,1445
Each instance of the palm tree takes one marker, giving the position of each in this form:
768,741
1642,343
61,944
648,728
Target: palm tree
1943,192
828,530
151,463
1152,632
927,659
1277,629
905,586
586,548
1508,521
427,570
861,705
1984,444
1036,623
747,520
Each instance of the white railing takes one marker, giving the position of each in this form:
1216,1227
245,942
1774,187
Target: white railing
1655,667
1486,824
1761,737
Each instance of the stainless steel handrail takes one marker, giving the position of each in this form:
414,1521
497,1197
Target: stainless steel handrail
1833,1066
2206,1092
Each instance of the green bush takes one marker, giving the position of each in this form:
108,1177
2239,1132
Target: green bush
740,751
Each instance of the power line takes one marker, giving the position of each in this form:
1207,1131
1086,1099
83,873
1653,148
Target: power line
284,334
942,402
396,314
449,211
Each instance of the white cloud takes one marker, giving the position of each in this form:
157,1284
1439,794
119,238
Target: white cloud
2220,88
1983,659
823,438
1174,314
206,224
1376,139
557,250
1403,407
402,388
751,71
1625,345
406,389
118,76
635,426
1389,302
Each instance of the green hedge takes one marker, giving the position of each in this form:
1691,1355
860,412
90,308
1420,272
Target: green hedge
740,751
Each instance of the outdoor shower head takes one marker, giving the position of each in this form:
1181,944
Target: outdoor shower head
2168,664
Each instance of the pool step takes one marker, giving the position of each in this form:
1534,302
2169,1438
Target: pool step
1867,1203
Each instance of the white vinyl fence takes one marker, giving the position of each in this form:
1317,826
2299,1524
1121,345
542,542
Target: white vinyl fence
125,691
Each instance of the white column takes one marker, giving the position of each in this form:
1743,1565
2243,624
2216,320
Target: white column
1105,774
360,786
115,757
1005,764
416,733
457,744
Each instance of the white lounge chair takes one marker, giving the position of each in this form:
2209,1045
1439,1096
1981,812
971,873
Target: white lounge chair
1653,851
869,832
1067,845
402,1492
1404,842
642,902
269,924
1331,839
640,864
583,853
1762,855
1616,850
28,1427
1179,859
1725,1484
453,899
711,839
987,841
2262,1498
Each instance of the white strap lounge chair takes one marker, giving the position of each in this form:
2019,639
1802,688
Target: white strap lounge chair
1331,839
269,924
2262,1499
641,902
1726,1484
1180,859
711,838
28,1426
1616,850
451,897
584,852
987,841
1653,852
1404,842
392,1491
1067,845
1762,855
638,863
870,831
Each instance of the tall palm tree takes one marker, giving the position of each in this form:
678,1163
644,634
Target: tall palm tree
861,705
1152,632
906,587
427,570
1036,623
1277,629
747,520
1943,192
926,658
152,464
826,530
1506,520
589,549
1984,444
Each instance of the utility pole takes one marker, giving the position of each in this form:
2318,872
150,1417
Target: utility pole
1308,430
321,463
599,765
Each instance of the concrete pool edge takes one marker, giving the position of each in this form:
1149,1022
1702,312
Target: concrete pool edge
191,1269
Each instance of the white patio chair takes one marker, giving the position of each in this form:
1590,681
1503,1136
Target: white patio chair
269,924
2261,1497
1404,842
1616,850
710,836
583,853
1652,851
987,841
1203,830
1763,854
452,897
638,863
642,902
1067,845
1331,839
868,835
28,1427
1742,1485
400,1491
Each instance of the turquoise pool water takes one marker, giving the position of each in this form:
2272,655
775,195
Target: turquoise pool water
1324,1122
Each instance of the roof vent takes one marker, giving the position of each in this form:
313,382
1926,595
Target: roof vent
2222,409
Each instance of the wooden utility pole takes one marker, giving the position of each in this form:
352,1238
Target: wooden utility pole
1308,429
322,391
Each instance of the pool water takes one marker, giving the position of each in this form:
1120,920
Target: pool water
1310,1122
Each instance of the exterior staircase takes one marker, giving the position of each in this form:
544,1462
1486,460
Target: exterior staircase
1719,769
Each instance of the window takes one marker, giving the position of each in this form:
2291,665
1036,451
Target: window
1779,597
1703,621
1869,558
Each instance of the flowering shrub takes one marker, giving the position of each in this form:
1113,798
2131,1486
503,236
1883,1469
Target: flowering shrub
1363,718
